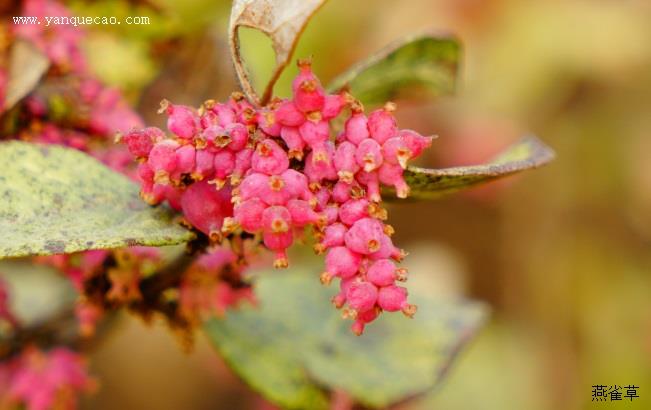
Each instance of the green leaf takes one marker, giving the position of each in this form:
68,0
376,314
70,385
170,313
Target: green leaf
421,61
60,200
294,347
528,153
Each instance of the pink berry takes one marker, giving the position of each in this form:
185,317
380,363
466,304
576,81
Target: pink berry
369,155
382,273
225,114
267,122
288,115
314,133
345,161
382,123
390,174
269,158
214,138
254,186
302,214
371,181
333,106
249,214
415,142
340,262
162,159
224,165
294,142
186,156
353,210
296,185
333,236
242,164
356,128
361,296
182,120
308,93
322,197
206,207
276,221
140,142
394,298
331,212
387,250
395,151
365,236
239,136
319,164
277,192
172,196
204,165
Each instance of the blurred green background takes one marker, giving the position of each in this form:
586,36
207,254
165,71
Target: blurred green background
561,254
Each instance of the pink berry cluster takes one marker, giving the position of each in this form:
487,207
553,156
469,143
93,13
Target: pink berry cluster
42,380
271,171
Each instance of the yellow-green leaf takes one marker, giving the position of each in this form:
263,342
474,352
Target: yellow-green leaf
417,62
59,200
294,347
528,153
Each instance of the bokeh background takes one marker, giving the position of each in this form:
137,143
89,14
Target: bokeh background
561,254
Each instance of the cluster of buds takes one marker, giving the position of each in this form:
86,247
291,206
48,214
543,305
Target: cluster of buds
39,380
124,270
271,171
211,285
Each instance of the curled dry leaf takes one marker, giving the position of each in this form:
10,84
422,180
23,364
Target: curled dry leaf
282,21
26,67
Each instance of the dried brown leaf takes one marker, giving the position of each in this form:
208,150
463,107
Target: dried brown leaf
282,21
27,65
